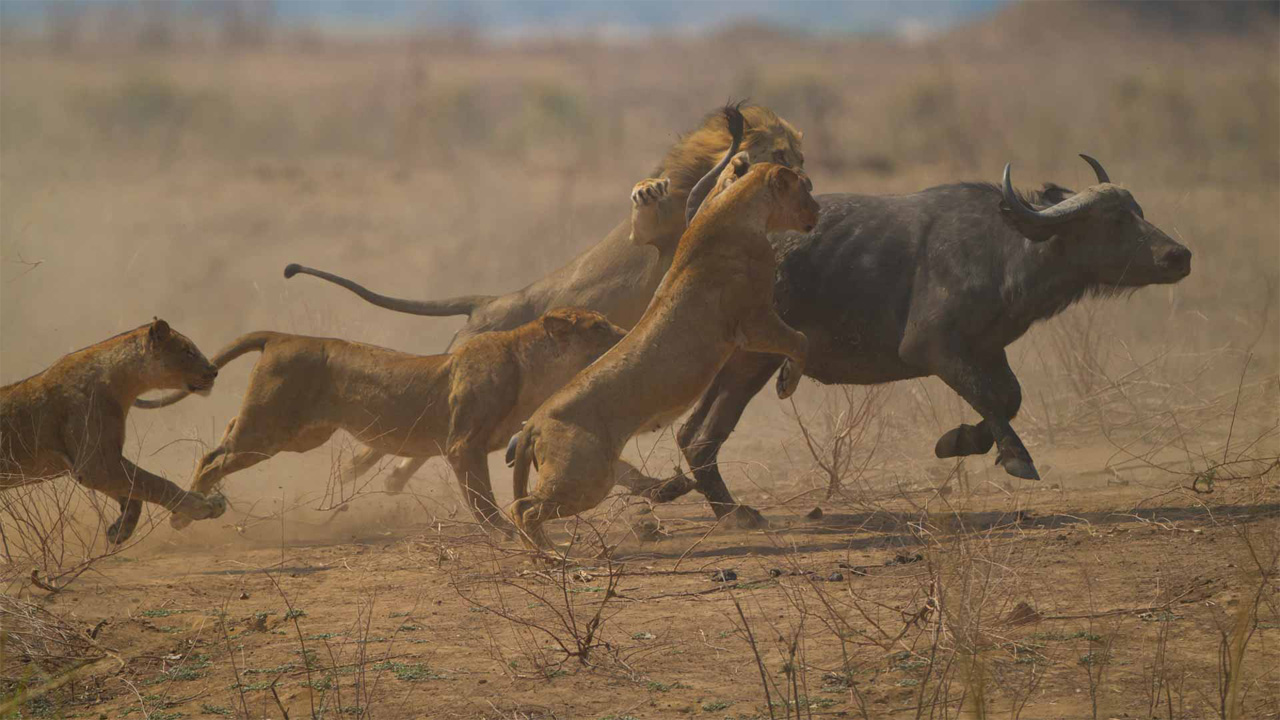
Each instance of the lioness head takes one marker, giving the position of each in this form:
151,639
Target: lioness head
793,206
767,138
175,362
580,335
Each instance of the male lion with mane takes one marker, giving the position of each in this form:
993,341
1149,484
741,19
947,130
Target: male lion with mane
69,420
617,276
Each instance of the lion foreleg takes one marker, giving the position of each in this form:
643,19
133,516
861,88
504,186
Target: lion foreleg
768,333
655,216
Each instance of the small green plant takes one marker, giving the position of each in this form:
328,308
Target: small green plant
215,709
277,670
408,672
295,613
666,687
263,685
161,612
642,635
717,705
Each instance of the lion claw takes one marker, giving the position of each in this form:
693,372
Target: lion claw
788,380
648,192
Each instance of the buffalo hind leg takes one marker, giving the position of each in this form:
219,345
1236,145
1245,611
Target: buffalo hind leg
992,390
965,440
713,420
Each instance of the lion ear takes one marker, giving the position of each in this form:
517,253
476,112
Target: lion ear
159,330
557,326
784,180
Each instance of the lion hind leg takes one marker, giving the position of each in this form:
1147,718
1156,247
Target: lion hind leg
122,529
403,472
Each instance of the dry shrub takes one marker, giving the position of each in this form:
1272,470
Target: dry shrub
842,437
53,531
40,651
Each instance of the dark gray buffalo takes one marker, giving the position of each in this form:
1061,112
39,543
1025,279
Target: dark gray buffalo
938,283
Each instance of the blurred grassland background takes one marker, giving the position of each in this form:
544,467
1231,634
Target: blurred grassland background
169,159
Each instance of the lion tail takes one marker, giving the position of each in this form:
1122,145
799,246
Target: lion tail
462,305
254,341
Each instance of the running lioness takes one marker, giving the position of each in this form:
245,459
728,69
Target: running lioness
69,420
462,406
717,297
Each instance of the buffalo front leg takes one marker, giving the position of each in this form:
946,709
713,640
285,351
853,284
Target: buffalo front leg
768,333
713,420
992,390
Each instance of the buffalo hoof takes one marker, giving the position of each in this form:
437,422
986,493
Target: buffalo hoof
788,380
1018,467
746,517
963,440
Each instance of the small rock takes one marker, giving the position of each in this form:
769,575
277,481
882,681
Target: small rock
775,572
724,576
815,514
244,595
835,577
905,559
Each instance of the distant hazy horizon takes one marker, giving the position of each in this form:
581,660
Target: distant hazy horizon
517,18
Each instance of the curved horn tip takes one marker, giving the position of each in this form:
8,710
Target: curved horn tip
1097,168
291,269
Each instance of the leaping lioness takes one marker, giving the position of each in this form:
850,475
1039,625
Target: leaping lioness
69,420
717,298
463,405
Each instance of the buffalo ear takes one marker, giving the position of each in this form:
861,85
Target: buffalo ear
159,330
740,163
1036,234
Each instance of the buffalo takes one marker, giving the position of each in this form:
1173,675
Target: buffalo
938,282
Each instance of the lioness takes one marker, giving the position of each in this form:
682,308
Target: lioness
462,405
69,419
717,297
618,275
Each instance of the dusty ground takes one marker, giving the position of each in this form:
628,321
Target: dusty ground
141,182
435,622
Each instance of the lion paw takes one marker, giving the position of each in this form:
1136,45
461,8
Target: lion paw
650,192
